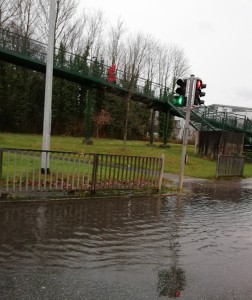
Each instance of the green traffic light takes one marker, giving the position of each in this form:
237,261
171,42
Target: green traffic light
178,100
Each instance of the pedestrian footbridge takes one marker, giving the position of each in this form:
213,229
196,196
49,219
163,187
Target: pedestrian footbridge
29,53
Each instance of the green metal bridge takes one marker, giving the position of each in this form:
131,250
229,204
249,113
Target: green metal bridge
31,54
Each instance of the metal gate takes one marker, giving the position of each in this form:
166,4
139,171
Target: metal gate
229,165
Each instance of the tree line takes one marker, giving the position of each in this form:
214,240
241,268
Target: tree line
90,36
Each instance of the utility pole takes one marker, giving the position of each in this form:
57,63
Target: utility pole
48,91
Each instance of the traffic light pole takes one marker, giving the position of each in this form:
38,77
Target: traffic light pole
190,90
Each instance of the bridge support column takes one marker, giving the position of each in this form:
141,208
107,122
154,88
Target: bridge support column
166,128
152,127
88,119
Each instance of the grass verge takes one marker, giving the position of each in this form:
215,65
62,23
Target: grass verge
196,166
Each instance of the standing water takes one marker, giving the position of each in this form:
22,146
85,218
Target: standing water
197,246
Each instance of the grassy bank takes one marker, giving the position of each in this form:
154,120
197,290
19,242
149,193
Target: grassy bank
195,167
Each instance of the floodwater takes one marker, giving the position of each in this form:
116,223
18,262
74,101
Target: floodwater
198,246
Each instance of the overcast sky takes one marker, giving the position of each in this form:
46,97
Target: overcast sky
214,34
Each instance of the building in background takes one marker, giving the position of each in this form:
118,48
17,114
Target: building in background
239,110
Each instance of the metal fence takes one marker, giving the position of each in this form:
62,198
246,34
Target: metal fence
21,171
229,165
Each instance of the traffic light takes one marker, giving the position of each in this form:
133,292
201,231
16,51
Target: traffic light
198,93
180,99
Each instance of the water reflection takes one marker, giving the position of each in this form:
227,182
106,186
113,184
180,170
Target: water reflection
141,248
171,282
220,190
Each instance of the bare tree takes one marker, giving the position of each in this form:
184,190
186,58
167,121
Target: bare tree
134,57
151,62
73,39
164,65
115,43
64,19
8,11
180,66
27,19
92,33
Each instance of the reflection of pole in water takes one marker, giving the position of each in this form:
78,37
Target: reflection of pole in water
41,222
173,280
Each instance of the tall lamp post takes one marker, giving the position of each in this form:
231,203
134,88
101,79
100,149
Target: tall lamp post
48,91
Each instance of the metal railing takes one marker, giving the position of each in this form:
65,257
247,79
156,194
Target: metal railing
21,172
229,165
228,120
93,69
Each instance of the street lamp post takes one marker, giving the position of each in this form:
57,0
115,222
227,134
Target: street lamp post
48,91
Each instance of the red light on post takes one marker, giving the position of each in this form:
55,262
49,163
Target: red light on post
198,93
198,84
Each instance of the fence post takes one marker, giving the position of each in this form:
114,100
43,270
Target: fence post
94,173
1,171
217,166
161,173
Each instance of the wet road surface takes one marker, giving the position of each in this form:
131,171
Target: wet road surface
195,246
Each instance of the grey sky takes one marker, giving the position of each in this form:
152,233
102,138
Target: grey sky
215,35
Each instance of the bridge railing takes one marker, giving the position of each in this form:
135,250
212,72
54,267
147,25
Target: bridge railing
23,45
90,68
20,172
228,120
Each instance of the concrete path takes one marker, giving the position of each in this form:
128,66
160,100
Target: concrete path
174,178
228,182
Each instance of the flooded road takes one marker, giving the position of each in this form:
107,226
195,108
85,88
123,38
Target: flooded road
198,246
